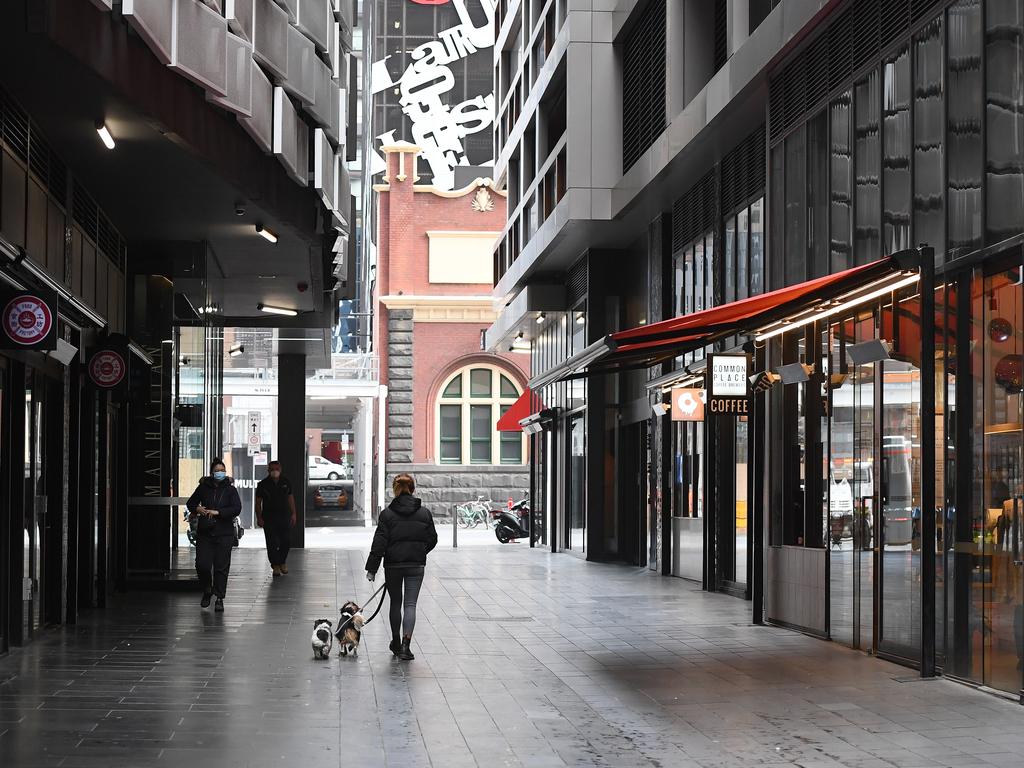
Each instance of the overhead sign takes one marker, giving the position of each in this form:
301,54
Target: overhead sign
687,404
728,378
28,320
254,437
107,368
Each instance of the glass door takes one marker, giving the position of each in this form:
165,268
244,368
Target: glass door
851,491
577,485
34,506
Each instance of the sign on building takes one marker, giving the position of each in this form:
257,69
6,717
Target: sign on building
254,438
28,320
728,381
687,404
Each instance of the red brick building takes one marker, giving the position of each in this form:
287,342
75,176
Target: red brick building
433,299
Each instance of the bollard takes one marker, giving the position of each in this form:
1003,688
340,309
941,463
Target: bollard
455,530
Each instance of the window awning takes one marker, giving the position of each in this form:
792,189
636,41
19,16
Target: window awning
766,315
519,410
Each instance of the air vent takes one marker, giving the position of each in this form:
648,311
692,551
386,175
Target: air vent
694,212
108,240
894,21
816,73
643,84
576,281
840,51
865,32
920,8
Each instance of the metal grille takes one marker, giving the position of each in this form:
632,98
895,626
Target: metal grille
14,127
109,241
743,172
643,84
920,8
84,210
694,212
865,31
576,281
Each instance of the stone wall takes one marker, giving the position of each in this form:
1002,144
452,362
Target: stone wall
443,486
400,386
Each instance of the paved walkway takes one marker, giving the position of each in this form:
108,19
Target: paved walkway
524,659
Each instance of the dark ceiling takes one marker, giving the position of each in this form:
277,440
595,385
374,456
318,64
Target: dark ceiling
181,168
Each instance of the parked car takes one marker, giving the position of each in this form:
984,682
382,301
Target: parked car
330,496
322,469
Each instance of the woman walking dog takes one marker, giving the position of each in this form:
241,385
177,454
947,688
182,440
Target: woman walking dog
216,505
405,534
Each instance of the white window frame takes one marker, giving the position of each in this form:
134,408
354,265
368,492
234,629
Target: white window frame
465,401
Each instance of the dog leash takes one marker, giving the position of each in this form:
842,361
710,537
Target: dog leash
380,604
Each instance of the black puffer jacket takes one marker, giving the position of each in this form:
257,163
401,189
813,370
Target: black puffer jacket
405,534
223,497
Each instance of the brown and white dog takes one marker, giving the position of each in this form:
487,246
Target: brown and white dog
350,629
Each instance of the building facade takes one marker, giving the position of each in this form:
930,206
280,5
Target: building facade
829,192
444,394
168,170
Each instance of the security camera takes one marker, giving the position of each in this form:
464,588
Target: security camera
303,287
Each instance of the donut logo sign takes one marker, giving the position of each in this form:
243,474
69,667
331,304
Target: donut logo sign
107,368
27,320
688,404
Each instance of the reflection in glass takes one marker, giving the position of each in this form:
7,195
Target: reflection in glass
795,253
867,209
817,195
757,283
742,254
929,188
841,194
896,153
963,121
730,259
577,484
1004,118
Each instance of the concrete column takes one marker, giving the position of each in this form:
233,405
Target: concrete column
291,433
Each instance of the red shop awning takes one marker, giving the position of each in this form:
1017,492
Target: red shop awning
519,410
648,345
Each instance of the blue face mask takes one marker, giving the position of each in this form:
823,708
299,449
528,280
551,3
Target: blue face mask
219,475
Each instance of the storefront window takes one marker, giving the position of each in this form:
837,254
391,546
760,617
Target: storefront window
963,120
757,269
742,254
1004,118
868,203
896,142
841,194
929,189
795,251
817,195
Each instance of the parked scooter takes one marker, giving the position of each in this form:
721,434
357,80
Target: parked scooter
513,522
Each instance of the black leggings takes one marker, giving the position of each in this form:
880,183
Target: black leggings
394,578
213,562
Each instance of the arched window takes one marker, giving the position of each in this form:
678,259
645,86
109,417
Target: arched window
471,402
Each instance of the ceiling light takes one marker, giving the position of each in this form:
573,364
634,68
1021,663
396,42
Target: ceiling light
581,319
236,350
266,277
266,234
108,140
277,310
838,306
540,318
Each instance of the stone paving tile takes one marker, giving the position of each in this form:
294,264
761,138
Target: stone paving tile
523,659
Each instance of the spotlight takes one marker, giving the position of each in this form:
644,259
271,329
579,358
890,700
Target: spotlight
108,140
183,360
265,233
795,373
872,351
277,310
541,318
236,350
763,381
581,319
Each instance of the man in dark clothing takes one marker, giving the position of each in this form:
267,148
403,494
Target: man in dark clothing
405,534
275,514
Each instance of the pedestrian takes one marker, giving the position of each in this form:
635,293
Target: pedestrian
275,514
405,534
215,505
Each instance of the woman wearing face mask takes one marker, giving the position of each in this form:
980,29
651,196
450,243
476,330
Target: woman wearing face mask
215,504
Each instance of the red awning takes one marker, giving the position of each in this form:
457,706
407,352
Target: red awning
648,345
519,410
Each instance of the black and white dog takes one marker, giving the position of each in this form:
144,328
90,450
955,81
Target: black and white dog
350,629
322,639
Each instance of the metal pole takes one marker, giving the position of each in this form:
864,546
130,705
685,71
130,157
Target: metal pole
927,293
455,529
533,488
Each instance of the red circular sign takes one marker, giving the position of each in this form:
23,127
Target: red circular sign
27,320
107,368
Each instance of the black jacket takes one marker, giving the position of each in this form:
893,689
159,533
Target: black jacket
405,534
221,496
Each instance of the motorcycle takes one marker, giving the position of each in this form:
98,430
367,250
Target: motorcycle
513,522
